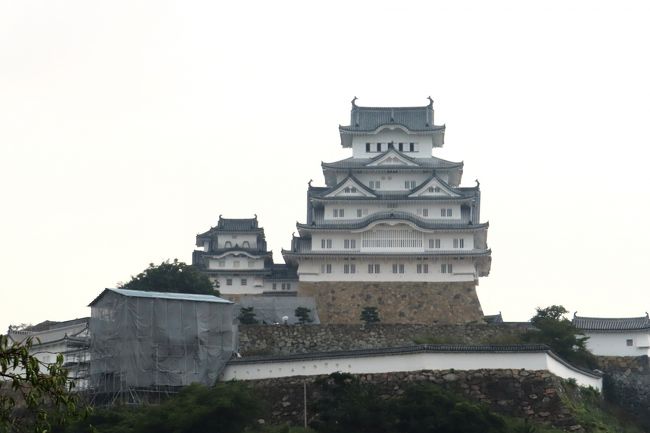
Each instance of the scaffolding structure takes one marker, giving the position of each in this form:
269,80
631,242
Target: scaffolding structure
145,345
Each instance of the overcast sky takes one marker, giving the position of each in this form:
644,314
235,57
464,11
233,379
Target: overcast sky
126,128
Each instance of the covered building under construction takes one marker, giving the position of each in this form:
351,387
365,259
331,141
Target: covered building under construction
147,343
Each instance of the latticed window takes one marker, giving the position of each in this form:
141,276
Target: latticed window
392,238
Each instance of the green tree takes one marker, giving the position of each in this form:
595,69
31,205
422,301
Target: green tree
33,396
173,276
224,408
302,313
347,405
370,315
247,316
556,331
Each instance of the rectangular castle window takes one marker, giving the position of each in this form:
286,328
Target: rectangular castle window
359,213
629,342
228,281
244,282
422,268
368,147
398,268
425,212
373,268
446,268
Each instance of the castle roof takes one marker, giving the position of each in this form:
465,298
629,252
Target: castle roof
611,324
364,163
237,224
369,119
232,225
162,295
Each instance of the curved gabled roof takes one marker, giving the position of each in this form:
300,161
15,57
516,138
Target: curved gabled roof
611,324
363,163
369,119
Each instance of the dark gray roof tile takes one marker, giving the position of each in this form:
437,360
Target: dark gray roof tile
370,118
611,324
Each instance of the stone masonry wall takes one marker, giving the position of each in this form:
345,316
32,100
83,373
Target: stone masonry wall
283,339
522,393
627,384
397,302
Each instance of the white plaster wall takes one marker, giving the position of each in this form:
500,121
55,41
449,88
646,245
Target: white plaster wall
614,343
560,369
407,362
365,176
254,284
463,270
230,263
370,207
392,181
236,239
424,144
268,286
338,242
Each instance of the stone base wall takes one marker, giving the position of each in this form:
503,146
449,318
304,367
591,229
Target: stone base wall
627,384
397,302
284,340
532,394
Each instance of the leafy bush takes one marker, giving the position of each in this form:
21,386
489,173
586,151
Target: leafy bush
370,315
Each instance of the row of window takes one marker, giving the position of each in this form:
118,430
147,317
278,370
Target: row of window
396,243
244,282
444,213
380,147
397,268
376,184
244,244
236,263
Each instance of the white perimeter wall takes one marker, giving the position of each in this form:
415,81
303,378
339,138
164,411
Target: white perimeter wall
408,362
615,343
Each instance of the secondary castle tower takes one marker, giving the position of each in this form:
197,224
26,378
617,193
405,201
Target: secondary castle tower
392,228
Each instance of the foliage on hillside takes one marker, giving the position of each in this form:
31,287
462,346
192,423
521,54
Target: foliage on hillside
33,396
345,406
556,331
173,276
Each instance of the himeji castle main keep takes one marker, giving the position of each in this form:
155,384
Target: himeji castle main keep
392,228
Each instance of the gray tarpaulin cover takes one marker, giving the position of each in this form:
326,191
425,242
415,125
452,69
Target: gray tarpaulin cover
271,309
148,339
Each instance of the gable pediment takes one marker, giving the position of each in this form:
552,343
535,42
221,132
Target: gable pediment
392,158
434,188
350,188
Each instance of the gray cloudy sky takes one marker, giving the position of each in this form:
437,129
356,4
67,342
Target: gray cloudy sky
128,127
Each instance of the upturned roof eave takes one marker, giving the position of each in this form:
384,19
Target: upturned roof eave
350,130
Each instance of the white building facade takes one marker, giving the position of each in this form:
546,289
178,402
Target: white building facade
50,339
235,257
629,336
392,212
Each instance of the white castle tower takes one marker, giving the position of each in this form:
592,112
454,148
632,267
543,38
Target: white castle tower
392,228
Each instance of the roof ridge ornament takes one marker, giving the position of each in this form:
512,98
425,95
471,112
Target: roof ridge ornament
430,102
354,103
